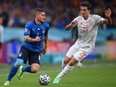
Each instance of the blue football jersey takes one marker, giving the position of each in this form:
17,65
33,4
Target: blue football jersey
32,29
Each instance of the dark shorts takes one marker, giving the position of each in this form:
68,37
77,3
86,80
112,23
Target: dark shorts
28,56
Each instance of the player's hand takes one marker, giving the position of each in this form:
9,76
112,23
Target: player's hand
68,27
44,50
108,12
37,38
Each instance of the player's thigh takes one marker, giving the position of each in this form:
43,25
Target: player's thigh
23,54
79,55
72,62
34,61
66,60
34,58
72,51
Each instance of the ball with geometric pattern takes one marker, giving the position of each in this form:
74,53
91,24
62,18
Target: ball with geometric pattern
44,79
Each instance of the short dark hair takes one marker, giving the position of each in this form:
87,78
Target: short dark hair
39,10
86,4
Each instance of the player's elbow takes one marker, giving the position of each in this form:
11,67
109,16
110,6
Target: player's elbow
26,38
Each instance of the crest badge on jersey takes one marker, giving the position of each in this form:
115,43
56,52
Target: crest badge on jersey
38,28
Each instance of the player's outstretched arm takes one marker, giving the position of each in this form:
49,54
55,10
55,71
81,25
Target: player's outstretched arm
108,19
71,25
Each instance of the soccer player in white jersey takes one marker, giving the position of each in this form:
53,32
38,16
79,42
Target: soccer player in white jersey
87,31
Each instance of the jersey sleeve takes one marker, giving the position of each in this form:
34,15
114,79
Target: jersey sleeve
27,29
99,19
75,19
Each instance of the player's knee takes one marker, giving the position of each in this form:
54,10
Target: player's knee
73,62
34,70
66,60
18,63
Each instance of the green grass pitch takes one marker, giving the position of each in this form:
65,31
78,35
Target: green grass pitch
90,75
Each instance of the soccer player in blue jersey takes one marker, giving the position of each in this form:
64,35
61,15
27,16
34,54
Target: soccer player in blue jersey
35,34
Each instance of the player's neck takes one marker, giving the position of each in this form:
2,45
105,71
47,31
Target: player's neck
37,22
86,17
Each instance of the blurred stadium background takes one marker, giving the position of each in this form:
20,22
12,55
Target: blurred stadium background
59,13
16,13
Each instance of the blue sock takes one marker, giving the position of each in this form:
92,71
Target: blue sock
12,72
27,69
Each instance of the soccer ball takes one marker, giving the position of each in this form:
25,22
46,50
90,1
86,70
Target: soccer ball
44,79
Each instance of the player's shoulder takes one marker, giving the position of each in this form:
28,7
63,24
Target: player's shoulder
95,15
29,23
79,17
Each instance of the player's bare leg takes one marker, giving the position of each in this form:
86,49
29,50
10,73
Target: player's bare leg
31,69
66,69
35,68
65,61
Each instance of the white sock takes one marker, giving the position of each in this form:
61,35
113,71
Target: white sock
63,65
65,71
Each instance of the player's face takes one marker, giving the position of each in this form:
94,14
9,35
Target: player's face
40,17
84,11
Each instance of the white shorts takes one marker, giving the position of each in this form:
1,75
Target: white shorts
78,52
